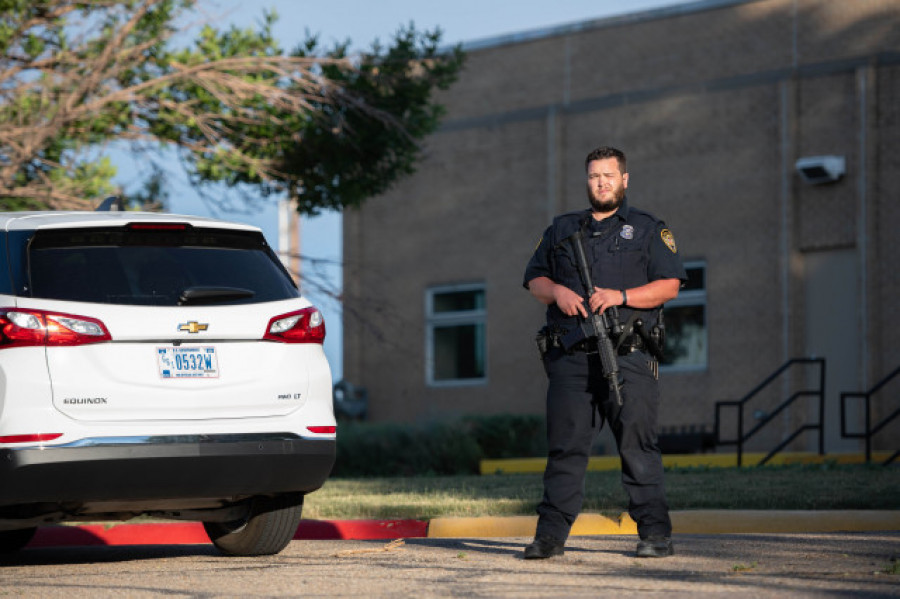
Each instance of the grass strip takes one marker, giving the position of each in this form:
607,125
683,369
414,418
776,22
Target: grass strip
795,487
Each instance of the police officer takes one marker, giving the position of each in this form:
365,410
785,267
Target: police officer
635,267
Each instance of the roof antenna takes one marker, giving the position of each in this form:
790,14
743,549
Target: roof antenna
111,204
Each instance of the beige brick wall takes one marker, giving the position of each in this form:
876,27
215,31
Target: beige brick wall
712,107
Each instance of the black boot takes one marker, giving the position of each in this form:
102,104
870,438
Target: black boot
655,546
544,547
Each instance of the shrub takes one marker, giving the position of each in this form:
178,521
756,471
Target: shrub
436,448
508,435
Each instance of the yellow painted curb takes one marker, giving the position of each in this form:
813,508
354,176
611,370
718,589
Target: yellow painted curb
510,526
524,526
595,524
683,522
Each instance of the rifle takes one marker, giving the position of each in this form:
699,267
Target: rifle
596,327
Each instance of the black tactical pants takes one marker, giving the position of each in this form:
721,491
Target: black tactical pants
578,403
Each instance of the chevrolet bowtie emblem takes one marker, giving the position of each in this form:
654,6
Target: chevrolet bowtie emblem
193,327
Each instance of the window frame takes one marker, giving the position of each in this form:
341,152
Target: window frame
459,317
687,298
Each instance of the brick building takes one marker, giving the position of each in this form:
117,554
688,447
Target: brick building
714,102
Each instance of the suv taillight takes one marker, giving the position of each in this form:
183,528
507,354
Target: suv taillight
303,326
37,327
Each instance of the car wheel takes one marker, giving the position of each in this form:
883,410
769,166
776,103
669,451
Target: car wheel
13,540
268,528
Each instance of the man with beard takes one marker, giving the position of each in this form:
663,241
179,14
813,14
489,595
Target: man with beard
635,267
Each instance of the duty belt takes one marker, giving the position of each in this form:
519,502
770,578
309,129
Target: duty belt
627,345
630,344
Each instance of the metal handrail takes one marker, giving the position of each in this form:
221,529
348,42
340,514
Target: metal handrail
742,437
870,430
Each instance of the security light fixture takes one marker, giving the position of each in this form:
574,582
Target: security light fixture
821,169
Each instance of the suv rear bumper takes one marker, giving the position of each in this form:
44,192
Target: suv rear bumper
149,468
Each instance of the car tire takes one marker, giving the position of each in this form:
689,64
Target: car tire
268,528
13,540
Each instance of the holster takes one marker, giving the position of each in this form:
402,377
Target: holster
547,339
543,342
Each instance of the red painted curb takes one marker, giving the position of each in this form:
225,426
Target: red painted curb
361,529
181,533
192,533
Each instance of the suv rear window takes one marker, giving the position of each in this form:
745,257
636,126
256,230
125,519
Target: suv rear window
168,266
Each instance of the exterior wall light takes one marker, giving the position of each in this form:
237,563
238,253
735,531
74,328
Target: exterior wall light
816,170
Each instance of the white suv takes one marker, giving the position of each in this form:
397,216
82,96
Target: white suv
157,364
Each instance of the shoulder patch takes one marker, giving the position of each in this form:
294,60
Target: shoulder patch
669,240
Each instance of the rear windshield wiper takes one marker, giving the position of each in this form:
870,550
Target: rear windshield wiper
212,295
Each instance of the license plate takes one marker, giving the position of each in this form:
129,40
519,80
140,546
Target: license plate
187,362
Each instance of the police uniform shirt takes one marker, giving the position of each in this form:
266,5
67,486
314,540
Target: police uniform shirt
628,249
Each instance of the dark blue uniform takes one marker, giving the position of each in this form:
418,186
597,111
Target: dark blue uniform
628,249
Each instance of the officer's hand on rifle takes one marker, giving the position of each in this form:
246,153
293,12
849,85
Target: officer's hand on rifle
569,302
548,292
602,299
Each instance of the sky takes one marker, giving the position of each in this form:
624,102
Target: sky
362,22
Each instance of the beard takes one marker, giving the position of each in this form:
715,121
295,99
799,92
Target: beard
608,205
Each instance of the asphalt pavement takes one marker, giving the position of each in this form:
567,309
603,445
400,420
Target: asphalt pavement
788,565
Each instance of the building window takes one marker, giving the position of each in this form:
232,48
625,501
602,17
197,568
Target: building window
455,331
685,320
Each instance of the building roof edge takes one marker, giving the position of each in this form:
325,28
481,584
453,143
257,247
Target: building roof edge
614,21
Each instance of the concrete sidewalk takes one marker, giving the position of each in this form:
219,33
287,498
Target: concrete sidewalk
684,522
